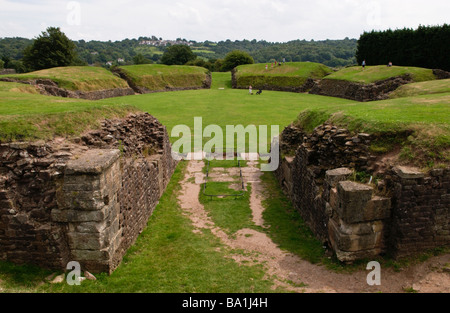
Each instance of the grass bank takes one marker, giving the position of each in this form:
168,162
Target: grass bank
287,75
158,77
372,74
29,116
422,88
76,78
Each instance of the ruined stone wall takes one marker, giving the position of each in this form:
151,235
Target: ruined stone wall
421,219
328,147
360,92
30,175
404,212
84,201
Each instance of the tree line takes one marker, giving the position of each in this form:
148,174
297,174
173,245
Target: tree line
334,53
426,46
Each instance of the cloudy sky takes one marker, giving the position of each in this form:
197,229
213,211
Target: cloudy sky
216,20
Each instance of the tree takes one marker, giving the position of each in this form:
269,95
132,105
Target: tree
140,59
51,49
236,58
1,64
178,55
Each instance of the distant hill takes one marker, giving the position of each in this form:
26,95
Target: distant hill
333,53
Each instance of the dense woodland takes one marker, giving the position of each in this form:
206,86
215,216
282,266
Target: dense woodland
427,46
334,53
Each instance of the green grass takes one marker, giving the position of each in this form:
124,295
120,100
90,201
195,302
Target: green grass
26,116
423,88
373,74
229,213
227,106
288,75
82,78
30,116
158,77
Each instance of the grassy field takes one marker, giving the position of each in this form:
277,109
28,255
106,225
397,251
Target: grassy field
287,75
372,74
27,115
31,116
423,88
82,78
157,77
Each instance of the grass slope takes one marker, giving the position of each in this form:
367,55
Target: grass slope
82,78
373,74
287,75
423,88
158,77
29,116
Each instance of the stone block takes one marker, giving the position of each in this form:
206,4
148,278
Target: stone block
85,241
93,162
353,242
78,216
405,172
377,208
91,255
353,199
337,175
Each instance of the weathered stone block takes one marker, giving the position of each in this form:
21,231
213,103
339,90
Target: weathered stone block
92,162
378,208
77,216
353,199
352,242
405,172
337,175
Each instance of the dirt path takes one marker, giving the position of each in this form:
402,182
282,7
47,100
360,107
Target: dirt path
284,267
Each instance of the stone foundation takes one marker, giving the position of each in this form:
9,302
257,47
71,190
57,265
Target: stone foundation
403,213
86,200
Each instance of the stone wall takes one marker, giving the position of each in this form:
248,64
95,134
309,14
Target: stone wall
421,219
404,212
357,91
288,84
85,200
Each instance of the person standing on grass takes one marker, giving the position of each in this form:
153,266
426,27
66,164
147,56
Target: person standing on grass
364,64
250,90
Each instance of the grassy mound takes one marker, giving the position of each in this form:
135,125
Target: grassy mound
279,77
27,115
157,77
76,78
17,87
422,88
425,118
373,74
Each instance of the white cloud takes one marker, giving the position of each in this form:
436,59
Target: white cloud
271,20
